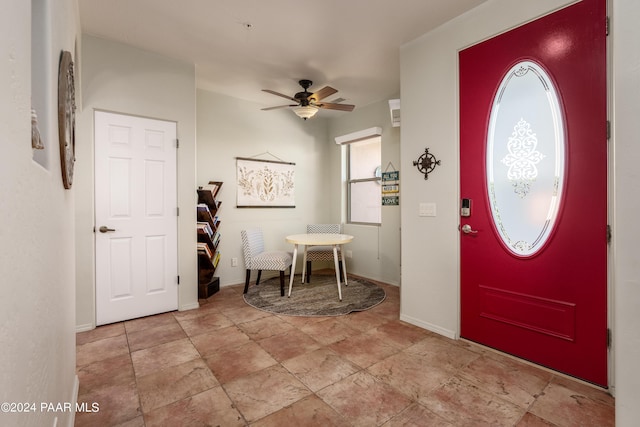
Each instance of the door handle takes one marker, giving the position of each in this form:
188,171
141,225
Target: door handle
104,229
466,229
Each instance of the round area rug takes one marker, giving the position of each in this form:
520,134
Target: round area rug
318,298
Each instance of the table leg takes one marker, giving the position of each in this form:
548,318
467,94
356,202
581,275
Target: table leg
335,262
293,268
304,264
344,266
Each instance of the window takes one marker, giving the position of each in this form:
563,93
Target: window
363,181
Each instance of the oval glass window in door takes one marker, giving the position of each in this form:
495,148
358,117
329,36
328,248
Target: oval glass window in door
525,158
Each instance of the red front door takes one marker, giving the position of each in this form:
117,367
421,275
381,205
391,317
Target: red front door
534,167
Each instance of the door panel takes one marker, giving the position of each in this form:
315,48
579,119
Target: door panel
547,305
119,273
136,263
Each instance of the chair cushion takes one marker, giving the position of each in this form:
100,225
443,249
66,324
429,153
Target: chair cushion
324,228
321,253
271,260
252,243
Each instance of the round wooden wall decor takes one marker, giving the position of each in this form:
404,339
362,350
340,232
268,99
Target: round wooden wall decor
66,118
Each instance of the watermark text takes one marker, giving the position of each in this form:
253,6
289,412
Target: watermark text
22,407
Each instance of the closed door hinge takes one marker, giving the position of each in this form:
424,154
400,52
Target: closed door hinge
608,130
609,233
607,26
177,143
609,338
178,211
178,279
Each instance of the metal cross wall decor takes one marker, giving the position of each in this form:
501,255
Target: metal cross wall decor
426,163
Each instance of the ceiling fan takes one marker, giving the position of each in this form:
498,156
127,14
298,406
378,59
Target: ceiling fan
308,103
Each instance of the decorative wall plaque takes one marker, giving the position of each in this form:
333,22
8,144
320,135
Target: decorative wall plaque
66,117
426,163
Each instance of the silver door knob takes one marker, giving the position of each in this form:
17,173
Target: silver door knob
104,229
466,229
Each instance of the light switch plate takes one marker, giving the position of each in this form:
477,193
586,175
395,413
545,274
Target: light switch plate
427,209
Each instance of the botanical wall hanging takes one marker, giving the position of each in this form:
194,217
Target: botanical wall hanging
265,183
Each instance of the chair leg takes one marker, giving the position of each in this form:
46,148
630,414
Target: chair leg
340,266
281,283
258,279
308,272
246,281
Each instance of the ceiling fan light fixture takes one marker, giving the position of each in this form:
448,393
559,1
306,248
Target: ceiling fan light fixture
308,103
305,111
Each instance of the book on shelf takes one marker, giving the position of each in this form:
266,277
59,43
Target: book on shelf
203,207
216,238
204,214
204,249
216,259
204,228
211,187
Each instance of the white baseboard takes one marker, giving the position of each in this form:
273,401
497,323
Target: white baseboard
430,327
86,327
191,306
374,278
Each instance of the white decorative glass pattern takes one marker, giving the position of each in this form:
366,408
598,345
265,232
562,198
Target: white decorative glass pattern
525,158
522,158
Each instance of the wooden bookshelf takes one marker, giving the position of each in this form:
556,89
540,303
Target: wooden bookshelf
208,226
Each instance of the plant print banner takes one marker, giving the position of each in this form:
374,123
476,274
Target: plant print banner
265,184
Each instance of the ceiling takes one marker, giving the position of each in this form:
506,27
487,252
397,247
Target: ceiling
242,46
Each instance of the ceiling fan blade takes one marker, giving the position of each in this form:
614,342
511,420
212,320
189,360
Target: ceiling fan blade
279,106
279,94
333,106
323,93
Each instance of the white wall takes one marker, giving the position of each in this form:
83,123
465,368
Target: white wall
123,79
228,128
430,251
376,250
625,207
37,308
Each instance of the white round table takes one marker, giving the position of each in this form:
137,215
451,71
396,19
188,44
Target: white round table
319,239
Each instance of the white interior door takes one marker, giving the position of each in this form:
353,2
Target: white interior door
136,217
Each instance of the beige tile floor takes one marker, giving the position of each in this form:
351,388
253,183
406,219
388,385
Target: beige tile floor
228,364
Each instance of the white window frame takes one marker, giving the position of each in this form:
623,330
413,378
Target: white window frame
347,141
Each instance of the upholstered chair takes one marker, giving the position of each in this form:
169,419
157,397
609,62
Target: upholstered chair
322,253
257,258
